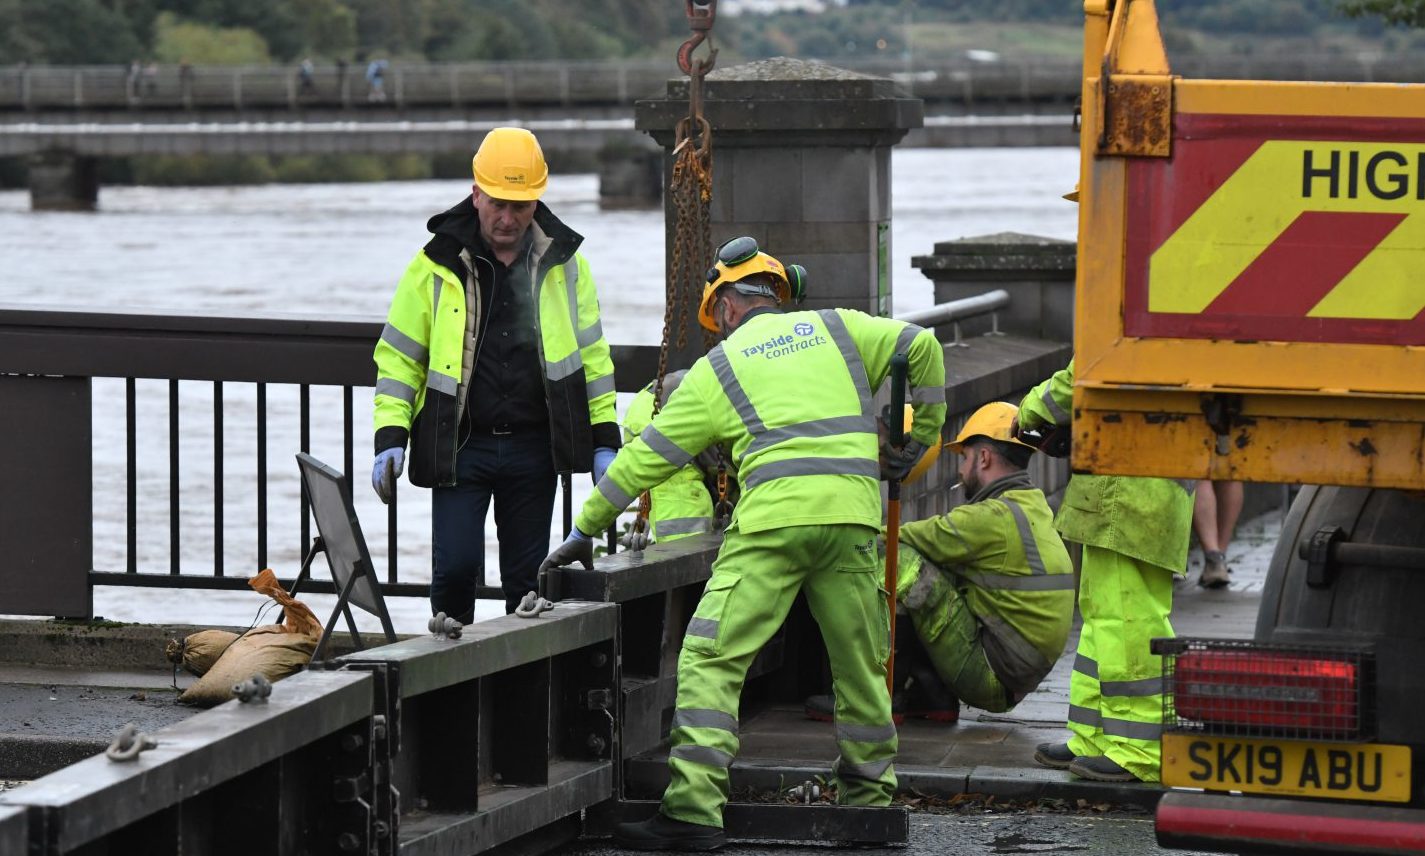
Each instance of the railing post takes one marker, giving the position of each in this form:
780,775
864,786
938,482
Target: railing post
78,88
48,534
25,88
237,89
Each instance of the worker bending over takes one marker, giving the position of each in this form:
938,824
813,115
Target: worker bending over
681,505
1135,537
989,587
791,393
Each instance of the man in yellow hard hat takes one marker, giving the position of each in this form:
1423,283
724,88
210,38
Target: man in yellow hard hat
791,393
989,587
494,370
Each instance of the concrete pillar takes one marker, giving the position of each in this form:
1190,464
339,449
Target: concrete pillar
802,162
630,177
64,181
1037,272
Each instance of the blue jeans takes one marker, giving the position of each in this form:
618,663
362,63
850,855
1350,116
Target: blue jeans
517,470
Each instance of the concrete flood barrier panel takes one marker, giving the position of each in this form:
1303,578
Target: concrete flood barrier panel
284,776
13,829
508,731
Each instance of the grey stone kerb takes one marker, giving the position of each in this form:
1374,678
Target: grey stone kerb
810,103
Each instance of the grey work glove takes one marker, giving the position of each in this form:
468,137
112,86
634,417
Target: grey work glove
897,461
385,471
578,547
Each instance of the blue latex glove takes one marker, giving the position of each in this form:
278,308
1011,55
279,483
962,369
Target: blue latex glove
385,471
603,456
578,547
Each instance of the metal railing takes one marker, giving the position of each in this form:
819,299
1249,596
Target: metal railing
251,354
235,359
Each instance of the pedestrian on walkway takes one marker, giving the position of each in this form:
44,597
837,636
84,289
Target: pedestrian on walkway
988,587
1216,507
306,73
376,80
791,393
494,368
1135,537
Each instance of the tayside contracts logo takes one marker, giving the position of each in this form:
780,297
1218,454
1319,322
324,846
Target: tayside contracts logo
803,336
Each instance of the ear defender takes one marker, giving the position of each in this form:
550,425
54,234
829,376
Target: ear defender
797,279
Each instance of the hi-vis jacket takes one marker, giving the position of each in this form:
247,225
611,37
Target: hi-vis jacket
680,506
1144,518
427,352
790,393
1001,552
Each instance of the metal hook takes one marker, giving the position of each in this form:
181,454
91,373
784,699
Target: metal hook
701,14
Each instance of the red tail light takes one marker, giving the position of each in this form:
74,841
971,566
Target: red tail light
1269,691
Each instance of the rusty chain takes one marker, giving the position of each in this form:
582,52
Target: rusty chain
690,189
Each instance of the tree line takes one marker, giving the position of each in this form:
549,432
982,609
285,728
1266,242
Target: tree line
81,32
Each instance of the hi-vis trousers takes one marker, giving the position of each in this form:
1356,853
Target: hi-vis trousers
754,581
1116,690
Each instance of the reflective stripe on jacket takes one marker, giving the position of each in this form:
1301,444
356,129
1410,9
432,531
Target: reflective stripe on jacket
1003,554
421,375
1148,519
791,394
681,505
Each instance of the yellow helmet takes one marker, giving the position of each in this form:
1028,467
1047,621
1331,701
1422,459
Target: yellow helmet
927,460
992,421
738,259
510,165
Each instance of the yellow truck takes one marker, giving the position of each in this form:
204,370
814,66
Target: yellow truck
1251,305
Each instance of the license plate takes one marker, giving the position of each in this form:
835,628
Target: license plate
1347,771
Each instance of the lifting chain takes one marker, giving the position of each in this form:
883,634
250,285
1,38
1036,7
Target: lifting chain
691,191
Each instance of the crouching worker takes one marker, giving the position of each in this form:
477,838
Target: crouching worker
988,587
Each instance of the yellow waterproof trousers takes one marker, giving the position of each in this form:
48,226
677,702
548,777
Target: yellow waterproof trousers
1116,690
754,581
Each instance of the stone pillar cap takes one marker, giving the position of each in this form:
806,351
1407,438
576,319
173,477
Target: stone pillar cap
1000,251
819,103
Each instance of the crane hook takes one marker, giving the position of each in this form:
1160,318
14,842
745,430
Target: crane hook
701,14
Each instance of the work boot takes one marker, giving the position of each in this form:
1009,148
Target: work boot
927,697
1055,756
661,832
820,707
1100,768
1214,570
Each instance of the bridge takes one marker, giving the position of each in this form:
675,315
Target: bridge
64,117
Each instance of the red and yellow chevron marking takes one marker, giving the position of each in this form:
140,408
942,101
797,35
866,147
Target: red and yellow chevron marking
1293,228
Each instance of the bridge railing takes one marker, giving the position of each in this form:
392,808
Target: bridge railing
527,84
142,388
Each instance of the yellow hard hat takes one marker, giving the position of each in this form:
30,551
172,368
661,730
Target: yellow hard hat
927,460
738,259
510,165
993,421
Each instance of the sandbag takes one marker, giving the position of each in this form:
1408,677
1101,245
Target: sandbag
271,651
197,652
